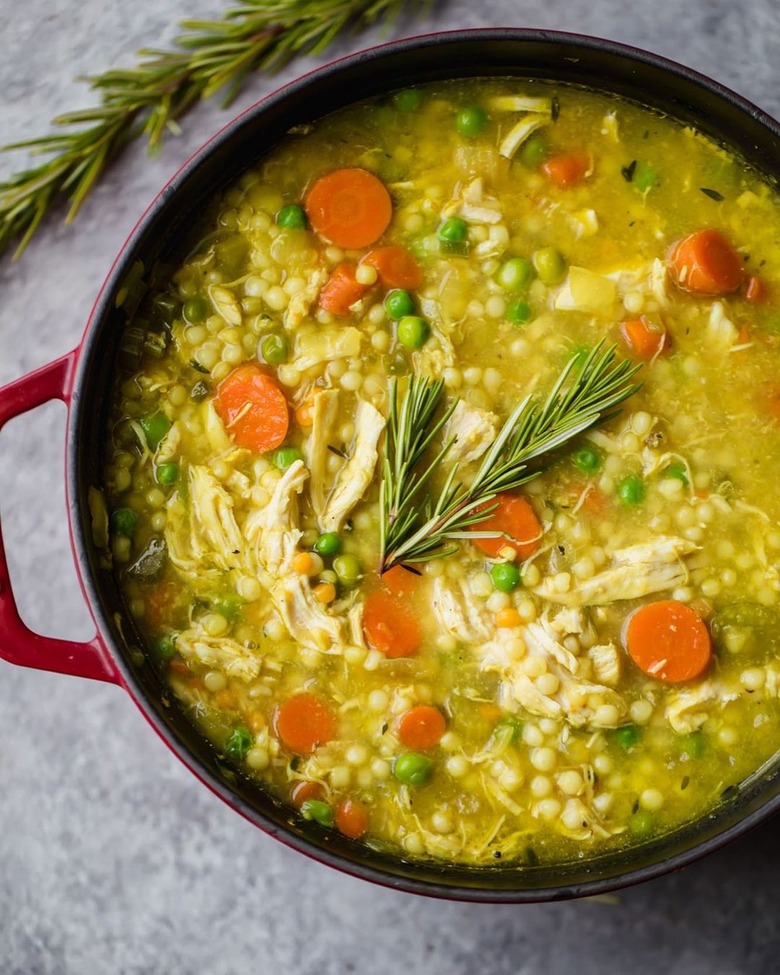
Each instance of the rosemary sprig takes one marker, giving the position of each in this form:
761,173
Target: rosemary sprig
414,527
257,35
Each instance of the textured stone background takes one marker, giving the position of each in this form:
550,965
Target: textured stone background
113,859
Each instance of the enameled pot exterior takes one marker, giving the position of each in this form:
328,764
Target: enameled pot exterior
82,380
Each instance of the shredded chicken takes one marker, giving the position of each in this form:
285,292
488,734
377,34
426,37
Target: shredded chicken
300,303
225,304
355,476
686,710
636,571
519,132
457,611
605,662
472,205
474,431
722,333
324,412
324,345
221,653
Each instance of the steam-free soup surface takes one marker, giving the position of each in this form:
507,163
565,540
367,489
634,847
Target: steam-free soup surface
594,661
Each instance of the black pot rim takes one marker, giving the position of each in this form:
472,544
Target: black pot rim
82,405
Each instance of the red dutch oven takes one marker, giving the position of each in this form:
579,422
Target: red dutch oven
82,380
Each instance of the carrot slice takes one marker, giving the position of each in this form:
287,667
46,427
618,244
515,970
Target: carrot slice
389,624
349,207
401,580
396,267
705,263
567,169
351,818
303,722
421,727
520,528
253,408
643,338
668,641
304,790
341,290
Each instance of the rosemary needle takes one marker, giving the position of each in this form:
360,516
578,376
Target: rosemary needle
212,55
415,526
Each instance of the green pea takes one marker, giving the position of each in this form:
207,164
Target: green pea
694,744
408,100
291,217
505,576
519,312
412,768
348,570
239,743
550,265
317,810
641,823
470,121
229,606
275,349
167,473
588,459
286,456
645,176
195,310
453,231
677,471
398,304
154,426
631,490
164,648
413,331
533,151
627,737
123,521
514,274
328,544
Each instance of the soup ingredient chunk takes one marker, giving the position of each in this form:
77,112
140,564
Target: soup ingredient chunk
304,722
349,207
389,625
705,263
520,530
253,409
395,266
351,818
341,290
422,727
669,641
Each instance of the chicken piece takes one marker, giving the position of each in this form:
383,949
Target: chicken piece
605,661
458,613
306,619
686,710
472,205
203,537
324,345
722,333
272,530
356,475
324,412
520,132
216,434
474,431
225,304
635,571
585,291
220,653
170,445
301,302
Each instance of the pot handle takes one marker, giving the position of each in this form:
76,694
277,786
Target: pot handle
19,644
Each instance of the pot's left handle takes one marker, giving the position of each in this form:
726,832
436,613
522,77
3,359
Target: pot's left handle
18,643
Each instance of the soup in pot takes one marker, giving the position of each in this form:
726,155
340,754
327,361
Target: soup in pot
441,477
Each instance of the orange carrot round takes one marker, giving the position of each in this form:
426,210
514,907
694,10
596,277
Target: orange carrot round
642,338
304,722
351,818
389,624
395,266
421,727
668,641
341,290
520,528
349,207
253,408
705,263
304,790
567,169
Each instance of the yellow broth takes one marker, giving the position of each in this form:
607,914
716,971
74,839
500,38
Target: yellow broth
687,470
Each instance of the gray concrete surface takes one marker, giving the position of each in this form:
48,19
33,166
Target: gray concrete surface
113,859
